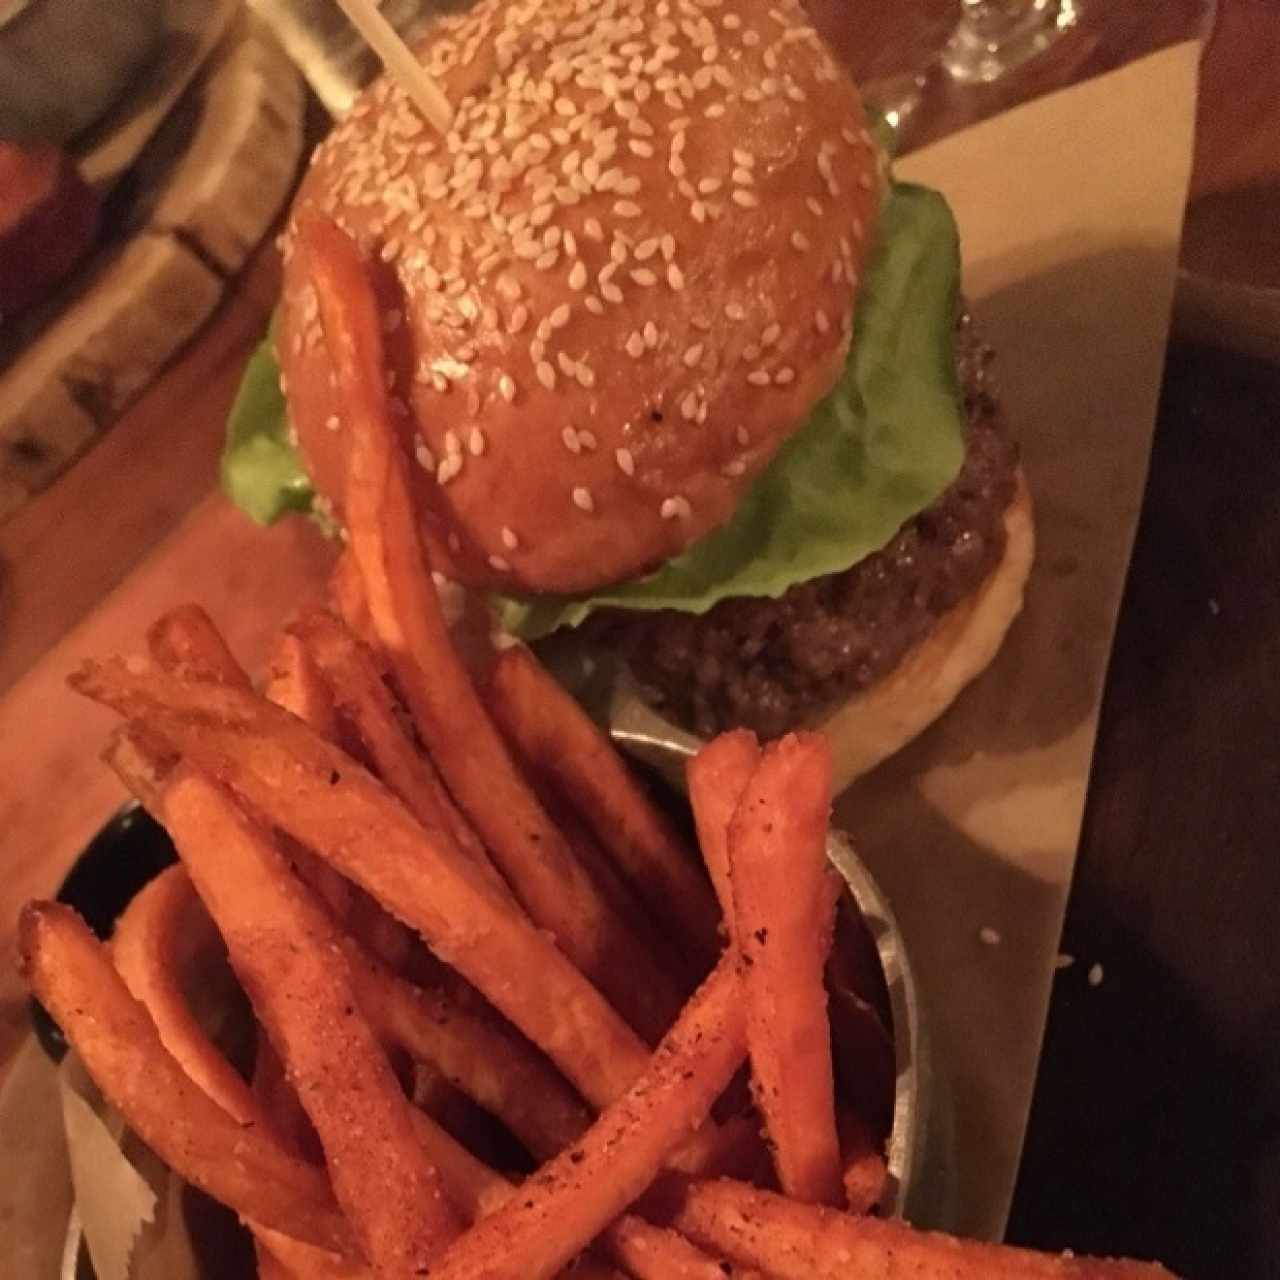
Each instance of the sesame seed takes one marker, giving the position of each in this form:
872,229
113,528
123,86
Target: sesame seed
566,362
518,319
675,277
509,539
498,563
673,508
715,111
640,148
507,387
583,500
735,311
643,276
820,321
587,439
759,377
988,936
425,458
699,211
591,227
815,205
650,334
745,198
560,316
744,159
689,406
733,469
333,422
570,438
799,241
668,246
578,276
647,248
693,354
708,186
626,209
545,261
546,375
784,376
1095,975
743,177
635,347
593,304
743,437
770,335
626,463
610,292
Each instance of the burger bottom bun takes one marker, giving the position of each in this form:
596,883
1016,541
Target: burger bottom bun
882,719
865,729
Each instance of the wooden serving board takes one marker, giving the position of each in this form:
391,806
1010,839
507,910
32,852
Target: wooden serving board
205,190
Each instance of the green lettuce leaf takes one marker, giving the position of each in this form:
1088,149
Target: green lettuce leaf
878,449
884,443
260,470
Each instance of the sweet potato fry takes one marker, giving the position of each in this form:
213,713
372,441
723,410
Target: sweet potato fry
650,1252
346,595
717,777
287,955
70,973
294,683
282,1258
480,1055
864,1172
575,1196
359,691
386,542
782,922
163,926
556,737
795,1241
186,642
321,797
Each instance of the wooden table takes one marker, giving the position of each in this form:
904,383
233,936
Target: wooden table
1156,1127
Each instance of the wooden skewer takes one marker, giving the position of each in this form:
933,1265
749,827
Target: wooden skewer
400,63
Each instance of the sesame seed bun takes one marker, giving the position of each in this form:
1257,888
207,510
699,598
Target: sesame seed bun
612,293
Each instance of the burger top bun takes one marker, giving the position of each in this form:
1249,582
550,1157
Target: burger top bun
612,292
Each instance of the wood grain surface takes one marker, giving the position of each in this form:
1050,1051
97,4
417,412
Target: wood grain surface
1156,1124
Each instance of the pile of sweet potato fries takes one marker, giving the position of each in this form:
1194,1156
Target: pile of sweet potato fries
445,896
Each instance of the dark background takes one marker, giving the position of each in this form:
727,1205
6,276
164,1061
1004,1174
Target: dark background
1155,1129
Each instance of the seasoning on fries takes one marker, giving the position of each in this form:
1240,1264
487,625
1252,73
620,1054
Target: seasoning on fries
632,1187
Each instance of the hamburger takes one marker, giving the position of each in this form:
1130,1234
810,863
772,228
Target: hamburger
682,369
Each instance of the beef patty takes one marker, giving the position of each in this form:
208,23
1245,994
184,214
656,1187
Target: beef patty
772,665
